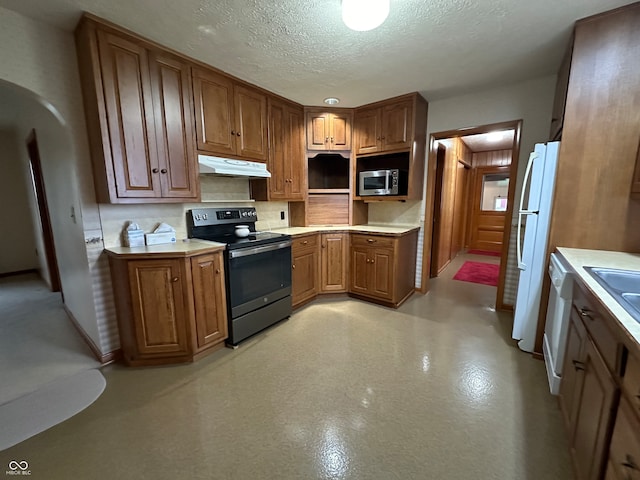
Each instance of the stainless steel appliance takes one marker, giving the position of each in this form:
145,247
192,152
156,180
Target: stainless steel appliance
258,268
383,182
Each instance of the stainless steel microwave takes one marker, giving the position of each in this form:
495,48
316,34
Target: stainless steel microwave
383,182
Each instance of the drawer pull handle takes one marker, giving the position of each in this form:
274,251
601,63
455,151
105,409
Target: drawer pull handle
578,365
629,463
305,242
586,313
370,240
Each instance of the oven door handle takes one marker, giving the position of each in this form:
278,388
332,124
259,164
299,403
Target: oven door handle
244,252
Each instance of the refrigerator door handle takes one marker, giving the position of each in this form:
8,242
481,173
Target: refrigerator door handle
522,212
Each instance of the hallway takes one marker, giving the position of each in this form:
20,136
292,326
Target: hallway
343,389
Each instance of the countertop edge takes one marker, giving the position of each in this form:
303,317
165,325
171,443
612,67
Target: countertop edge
179,249
575,258
364,229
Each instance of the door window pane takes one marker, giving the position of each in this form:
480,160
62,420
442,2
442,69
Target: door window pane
495,188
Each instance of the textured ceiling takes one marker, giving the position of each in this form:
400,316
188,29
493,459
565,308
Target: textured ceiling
301,49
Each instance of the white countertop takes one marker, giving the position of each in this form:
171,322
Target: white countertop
579,258
187,246
383,229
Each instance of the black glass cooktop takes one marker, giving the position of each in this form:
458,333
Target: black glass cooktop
254,239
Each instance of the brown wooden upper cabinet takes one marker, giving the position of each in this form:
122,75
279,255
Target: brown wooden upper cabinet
138,109
385,127
560,99
231,118
328,129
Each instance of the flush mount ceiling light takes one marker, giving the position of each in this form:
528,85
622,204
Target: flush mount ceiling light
495,136
332,101
363,15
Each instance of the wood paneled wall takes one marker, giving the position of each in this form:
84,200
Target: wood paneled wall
495,158
454,203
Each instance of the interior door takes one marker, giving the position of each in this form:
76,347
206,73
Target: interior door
491,186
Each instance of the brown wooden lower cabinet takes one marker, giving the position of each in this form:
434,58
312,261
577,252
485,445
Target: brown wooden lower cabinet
305,281
382,268
169,309
624,453
333,259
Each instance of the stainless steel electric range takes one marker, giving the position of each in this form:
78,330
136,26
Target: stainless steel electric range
257,264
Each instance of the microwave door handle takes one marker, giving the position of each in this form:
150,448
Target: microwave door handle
387,180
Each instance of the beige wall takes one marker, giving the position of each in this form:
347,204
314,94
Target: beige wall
39,75
17,242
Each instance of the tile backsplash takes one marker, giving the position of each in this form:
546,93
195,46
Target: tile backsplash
216,192
395,213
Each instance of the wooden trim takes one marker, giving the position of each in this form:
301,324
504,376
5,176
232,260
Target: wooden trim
103,358
19,272
43,212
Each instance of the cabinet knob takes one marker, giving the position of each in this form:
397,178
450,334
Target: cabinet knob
305,242
368,261
155,170
371,240
331,139
578,365
373,260
293,266
382,138
164,170
378,138
326,140
238,134
174,279
217,271
233,132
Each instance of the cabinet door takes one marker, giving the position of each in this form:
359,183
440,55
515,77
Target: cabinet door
171,83
304,276
333,258
295,158
277,151
381,265
572,371
368,127
213,98
359,273
130,116
317,130
397,125
251,123
209,299
159,313
624,452
596,401
340,131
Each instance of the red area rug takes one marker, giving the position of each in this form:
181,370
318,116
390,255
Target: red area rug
484,252
477,272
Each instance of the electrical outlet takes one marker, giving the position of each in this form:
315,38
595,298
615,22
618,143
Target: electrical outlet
282,215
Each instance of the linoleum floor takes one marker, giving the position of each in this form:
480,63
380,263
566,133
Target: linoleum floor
344,389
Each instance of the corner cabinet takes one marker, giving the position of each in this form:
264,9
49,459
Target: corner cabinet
382,269
138,108
171,308
328,129
231,118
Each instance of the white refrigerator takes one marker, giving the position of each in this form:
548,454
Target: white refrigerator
535,217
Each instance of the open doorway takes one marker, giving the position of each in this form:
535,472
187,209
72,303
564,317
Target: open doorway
471,205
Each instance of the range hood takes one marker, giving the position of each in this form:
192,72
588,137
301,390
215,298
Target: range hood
234,168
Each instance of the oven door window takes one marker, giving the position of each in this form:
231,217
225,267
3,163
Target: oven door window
375,183
255,276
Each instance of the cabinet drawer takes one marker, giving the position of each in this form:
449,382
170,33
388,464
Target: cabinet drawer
372,240
631,382
597,322
306,241
624,453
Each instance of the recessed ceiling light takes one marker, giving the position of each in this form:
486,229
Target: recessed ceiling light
495,136
331,101
363,15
